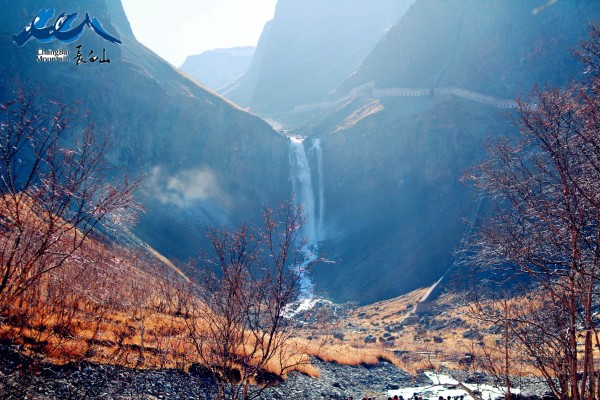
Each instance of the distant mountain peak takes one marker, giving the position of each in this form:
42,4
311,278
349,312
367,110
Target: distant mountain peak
219,67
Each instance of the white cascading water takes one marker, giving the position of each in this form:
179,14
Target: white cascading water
304,197
302,186
318,153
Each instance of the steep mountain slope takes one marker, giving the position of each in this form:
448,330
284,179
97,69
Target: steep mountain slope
499,48
392,161
205,160
395,206
309,48
220,67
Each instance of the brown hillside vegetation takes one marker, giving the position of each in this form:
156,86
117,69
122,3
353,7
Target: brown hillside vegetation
114,305
454,336
107,304
102,305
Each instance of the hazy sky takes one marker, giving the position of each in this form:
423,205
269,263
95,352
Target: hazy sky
187,27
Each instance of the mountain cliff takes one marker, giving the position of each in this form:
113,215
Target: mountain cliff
205,161
220,67
392,159
391,152
501,48
309,48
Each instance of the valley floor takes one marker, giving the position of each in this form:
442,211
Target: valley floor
434,343
93,381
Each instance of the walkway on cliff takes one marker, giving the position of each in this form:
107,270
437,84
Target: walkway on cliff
370,90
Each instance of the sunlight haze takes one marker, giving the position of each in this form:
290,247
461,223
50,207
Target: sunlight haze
179,28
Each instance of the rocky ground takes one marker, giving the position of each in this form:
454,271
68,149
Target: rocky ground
24,378
340,381
21,378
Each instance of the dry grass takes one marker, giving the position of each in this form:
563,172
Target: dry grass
413,348
123,311
105,304
420,347
114,305
102,332
346,354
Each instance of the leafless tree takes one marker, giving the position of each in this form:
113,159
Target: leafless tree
528,335
53,191
546,190
241,333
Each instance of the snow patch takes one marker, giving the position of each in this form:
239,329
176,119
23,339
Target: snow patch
444,385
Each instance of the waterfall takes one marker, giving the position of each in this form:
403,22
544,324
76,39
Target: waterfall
301,177
302,186
318,152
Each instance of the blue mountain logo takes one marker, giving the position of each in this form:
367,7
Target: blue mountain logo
60,30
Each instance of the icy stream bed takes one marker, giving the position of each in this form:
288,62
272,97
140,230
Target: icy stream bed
444,385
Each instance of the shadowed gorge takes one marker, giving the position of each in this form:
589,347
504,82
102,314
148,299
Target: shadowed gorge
385,175
402,129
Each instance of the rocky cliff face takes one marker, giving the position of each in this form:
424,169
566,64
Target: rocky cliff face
204,160
396,210
220,67
309,48
501,48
